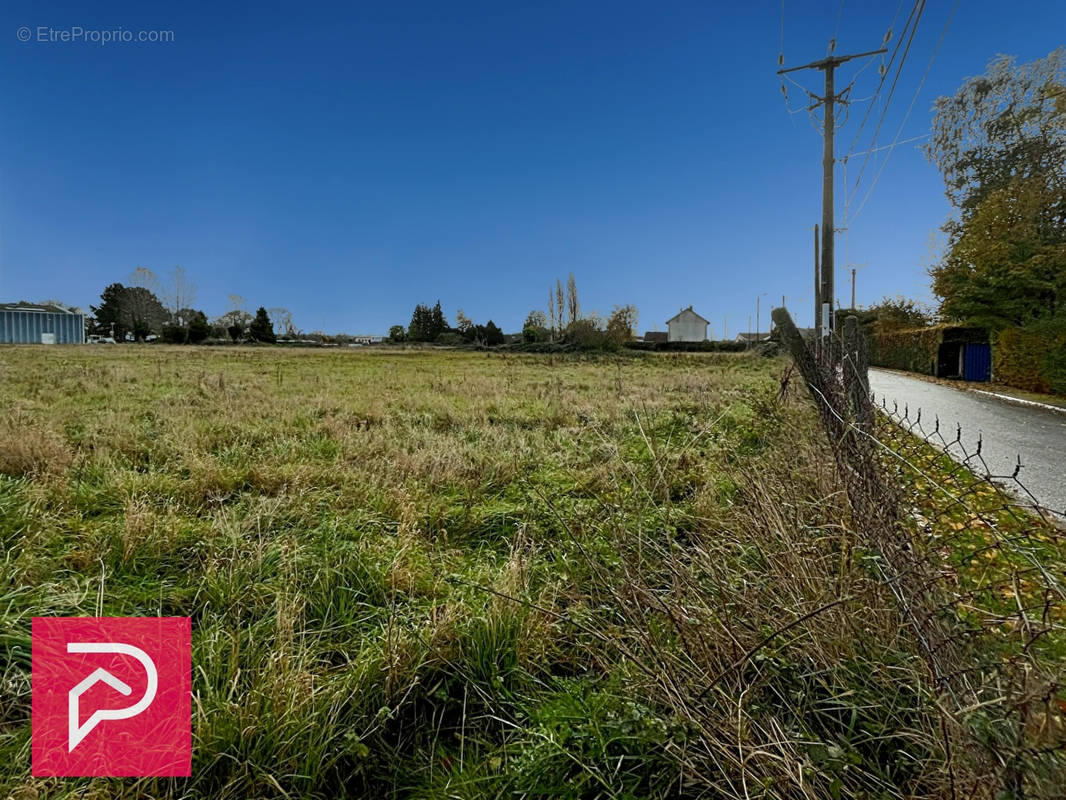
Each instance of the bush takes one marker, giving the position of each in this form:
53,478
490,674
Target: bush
1032,357
585,334
175,334
450,338
914,350
726,346
198,330
535,333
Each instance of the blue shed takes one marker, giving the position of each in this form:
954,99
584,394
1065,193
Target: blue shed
21,323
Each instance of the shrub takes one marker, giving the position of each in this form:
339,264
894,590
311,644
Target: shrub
198,330
535,333
584,334
914,350
175,334
1032,357
450,338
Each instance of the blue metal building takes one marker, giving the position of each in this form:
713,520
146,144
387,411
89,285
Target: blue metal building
42,324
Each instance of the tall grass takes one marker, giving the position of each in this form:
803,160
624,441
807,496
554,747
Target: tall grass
462,575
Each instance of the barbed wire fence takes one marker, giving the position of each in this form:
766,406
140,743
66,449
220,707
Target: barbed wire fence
974,562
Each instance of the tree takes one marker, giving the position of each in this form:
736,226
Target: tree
108,316
560,305
282,317
261,329
1007,262
464,325
1000,145
437,323
492,335
397,333
426,323
535,319
178,295
198,327
895,313
421,324
1006,124
573,308
144,278
142,313
553,326
586,333
535,328
235,321
622,325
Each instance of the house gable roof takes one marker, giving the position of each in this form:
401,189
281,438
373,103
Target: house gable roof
688,311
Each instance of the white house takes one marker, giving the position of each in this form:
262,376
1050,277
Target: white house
687,326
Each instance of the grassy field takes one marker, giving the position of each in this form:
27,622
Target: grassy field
454,574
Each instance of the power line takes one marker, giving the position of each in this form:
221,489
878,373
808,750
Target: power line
836,30
885,69
910,108
890,146
920,6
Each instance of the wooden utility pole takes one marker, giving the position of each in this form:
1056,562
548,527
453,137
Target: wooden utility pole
817,288
829,101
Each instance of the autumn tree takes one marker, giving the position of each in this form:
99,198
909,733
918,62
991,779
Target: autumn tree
1000,145
622,325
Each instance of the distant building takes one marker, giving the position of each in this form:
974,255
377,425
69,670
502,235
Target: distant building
24,323
687,326
656,336
752,338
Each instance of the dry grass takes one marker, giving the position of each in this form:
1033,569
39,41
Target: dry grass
464,575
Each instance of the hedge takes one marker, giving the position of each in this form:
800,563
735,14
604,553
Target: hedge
1032,357
914,349
723,346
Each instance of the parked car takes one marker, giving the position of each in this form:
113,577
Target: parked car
94,339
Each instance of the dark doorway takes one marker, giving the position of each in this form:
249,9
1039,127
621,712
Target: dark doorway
949,360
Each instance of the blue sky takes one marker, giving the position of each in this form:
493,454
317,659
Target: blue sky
349,160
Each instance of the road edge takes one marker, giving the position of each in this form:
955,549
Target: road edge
1019,400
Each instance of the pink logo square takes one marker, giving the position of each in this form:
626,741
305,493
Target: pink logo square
112,696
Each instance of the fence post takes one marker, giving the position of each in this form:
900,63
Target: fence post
855,371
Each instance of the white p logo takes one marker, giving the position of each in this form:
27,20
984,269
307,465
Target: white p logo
75,732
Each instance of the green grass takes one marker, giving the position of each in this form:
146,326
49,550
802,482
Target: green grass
454,574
